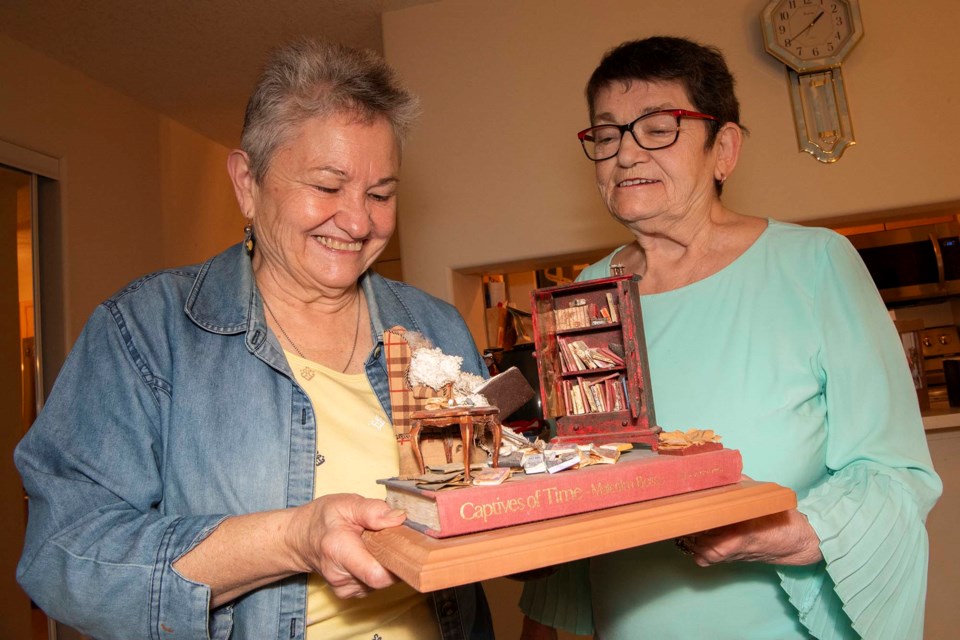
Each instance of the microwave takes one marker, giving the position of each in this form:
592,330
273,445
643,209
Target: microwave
913,263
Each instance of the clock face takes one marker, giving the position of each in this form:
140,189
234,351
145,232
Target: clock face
808,35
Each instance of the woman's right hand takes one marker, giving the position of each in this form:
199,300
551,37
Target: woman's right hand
324,536
255,549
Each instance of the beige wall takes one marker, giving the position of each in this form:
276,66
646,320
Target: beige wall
494,173
139,191
199,215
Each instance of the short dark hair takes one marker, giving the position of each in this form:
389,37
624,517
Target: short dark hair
700,69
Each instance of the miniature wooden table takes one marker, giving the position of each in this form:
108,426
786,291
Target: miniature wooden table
467,418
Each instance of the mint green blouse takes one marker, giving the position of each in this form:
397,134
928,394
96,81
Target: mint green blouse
789,354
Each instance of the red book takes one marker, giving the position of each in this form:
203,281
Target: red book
639,475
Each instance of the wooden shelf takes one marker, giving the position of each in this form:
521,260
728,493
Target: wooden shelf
593,327
428,564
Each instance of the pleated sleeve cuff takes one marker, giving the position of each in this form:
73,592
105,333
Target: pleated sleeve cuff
875,548
561,600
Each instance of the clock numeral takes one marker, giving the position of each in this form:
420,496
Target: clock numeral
838,21
834,8
785,16
815,52
800,51
830,46
781,29
792,4
786,43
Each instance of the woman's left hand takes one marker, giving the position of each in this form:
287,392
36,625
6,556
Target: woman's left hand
782,538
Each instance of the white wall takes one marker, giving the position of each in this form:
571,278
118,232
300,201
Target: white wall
494,172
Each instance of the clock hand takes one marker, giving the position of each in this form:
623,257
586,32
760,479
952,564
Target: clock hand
812,22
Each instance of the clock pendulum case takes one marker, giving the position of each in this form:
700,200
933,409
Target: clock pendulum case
812,37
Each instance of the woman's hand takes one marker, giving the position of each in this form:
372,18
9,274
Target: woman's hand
324,536
533,630
255,549
782,538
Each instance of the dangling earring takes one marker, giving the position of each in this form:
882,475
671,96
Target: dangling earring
248,238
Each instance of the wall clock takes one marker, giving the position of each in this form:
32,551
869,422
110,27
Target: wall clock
812,37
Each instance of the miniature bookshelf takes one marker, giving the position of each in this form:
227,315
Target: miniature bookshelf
592,361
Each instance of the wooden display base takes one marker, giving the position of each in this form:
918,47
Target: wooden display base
428,564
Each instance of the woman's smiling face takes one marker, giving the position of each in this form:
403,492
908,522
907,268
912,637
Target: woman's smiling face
327,205
637,184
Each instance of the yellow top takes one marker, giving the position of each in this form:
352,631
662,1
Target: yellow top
355,446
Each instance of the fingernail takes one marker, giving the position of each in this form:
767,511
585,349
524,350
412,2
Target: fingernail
397,513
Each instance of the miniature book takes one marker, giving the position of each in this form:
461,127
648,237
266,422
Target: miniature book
508,391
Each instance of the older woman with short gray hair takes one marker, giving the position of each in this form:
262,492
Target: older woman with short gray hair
206,463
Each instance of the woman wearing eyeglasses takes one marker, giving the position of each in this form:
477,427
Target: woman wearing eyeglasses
774,336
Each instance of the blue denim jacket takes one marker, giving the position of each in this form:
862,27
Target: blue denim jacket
175,409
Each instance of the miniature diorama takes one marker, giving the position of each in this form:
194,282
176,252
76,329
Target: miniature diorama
605,477
594,382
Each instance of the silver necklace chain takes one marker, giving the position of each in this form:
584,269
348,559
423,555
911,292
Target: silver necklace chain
353,349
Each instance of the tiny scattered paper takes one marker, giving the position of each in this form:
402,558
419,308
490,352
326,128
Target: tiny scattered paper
689,438
491,476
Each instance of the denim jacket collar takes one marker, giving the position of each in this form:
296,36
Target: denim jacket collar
224,299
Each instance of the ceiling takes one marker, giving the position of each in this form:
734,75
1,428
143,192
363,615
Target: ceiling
194,61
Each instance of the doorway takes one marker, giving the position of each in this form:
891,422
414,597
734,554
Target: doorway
29,211
19,386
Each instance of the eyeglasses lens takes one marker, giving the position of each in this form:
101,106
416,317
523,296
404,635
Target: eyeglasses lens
653,131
